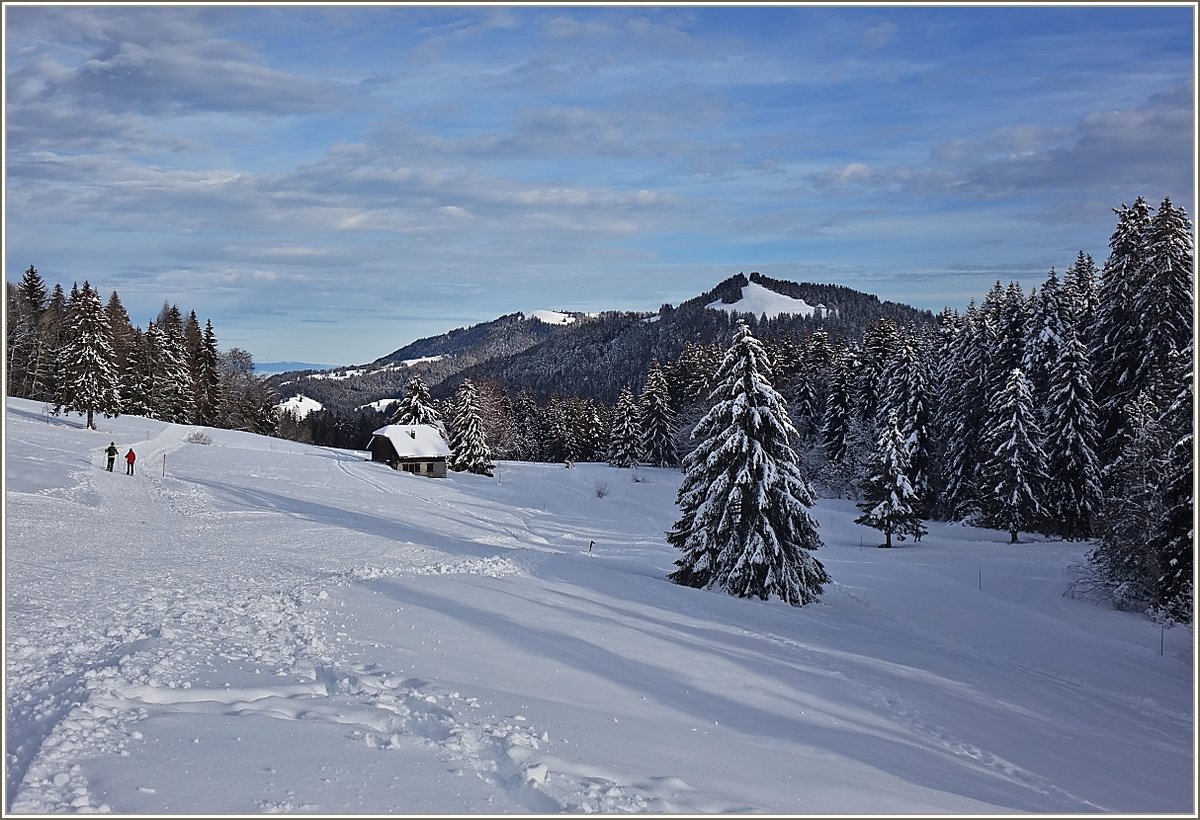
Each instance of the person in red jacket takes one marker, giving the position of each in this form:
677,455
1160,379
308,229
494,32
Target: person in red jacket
130,457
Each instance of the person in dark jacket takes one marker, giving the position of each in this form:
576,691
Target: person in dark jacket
130,457
111,452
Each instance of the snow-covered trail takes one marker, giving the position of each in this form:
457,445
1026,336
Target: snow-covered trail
187,600
209,617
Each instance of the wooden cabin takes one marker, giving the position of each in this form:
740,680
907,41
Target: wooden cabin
413,448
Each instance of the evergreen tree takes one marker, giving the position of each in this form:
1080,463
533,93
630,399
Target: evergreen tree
137,381
467,440
962,417
590,424
623,440
28,365
906,393
1128,565
208,379
54,337
1079,287
1173,537
172,392
122,333
417,407
889,501
527,423
1073,488
1164,301
1048,326
879,342
89,382
1015,471
1119,332
839,411
1009,322
657,420
744,523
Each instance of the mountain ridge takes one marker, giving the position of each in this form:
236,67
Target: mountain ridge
593,355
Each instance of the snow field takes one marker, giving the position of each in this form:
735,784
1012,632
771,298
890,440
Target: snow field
270,627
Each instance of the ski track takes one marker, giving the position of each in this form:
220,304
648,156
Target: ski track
72,698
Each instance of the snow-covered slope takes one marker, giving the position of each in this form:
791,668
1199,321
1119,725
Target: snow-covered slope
259,626
759,300
300,405
552,317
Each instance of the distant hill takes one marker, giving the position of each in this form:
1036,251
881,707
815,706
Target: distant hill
286,367
595,355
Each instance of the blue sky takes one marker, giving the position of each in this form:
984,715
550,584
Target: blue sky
329,183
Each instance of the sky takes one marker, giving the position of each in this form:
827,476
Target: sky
329,183
256,626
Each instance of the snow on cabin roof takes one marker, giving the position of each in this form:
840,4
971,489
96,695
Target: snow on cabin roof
415,440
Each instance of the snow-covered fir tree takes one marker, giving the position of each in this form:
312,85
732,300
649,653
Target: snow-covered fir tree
839,410
657,420
624,439
1164,302
417,407
1048,326
962,416
906,393
1119,333
1015,472
137,381
467,440
744,524
880,340
89,383
1008,322
208,379
889,501
28,362
1074,494
1079,290
172,394
1173,537
1126,564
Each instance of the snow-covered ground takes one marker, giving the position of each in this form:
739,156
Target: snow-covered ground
300,405
257,625
552,317
759,300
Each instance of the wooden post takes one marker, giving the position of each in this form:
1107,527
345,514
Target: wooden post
164,465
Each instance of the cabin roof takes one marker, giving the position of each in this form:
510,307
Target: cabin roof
415,440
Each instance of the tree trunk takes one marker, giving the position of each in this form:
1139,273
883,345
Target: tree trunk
1013,533
888,543
91,424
